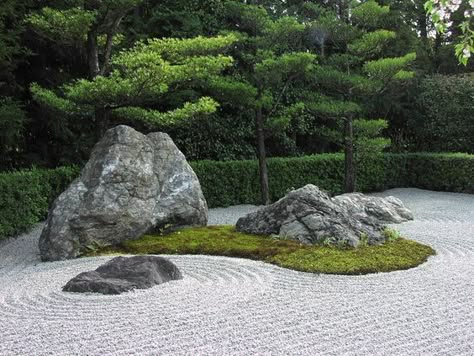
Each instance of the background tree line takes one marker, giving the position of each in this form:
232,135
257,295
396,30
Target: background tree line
248,78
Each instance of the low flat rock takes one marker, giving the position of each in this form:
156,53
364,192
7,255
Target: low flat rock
310,216
131,185
123,274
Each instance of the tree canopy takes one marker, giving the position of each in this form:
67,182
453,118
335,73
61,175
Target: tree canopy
139,76
233,80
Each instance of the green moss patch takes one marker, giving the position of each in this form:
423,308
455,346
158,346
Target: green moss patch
396,254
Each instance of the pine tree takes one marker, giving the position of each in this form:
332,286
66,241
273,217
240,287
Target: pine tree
139,76
350,43
269,58
90,26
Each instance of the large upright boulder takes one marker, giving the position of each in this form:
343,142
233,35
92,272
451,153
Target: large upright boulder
310,216
131,185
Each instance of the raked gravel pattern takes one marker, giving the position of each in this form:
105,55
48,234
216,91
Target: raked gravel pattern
227,306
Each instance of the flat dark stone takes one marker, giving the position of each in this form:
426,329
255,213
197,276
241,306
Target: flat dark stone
123,274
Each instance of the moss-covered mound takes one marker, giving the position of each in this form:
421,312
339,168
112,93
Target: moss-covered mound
396,254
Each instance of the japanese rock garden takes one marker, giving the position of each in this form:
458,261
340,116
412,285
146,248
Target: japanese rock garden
235,177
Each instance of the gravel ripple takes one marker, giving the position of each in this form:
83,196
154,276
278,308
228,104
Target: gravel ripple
227,306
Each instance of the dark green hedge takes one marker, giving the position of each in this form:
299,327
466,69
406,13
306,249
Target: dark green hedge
446,104
236,182
26,195
451,172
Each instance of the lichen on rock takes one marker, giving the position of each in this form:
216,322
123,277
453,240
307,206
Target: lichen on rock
132,184
310,216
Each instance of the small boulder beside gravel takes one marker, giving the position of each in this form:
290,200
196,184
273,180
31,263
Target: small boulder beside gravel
310,216
122,274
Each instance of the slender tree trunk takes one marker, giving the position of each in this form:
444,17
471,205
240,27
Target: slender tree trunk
101,119
93,54
423,26
109,43
349,166
101,114
437,47
342,7
262,157
421,19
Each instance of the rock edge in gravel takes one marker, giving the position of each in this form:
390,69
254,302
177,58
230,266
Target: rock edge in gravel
310,216
132,184
123,274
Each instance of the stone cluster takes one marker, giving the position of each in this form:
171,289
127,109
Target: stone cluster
310,216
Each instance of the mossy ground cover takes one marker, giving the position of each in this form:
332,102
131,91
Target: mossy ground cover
396,254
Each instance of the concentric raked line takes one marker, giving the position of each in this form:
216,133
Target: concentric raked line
227,306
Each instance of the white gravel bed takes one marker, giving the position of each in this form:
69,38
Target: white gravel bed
227,306
230,215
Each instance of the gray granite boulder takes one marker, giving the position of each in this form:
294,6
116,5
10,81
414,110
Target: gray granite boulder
310,216
122,274
389,210
131,185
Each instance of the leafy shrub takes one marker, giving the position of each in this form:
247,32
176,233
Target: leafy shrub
227,183
12,124
236,182
452,172
26,195
58,179
447,107
223,137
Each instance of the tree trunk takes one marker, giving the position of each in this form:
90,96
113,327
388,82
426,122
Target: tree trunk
349,167
342,7
101,119
93,54
109,43
422,20
262,157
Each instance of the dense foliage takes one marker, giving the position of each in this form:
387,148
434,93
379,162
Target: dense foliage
233,80
444,172
63,45
350,43
447,107
138,78
26,195
443,12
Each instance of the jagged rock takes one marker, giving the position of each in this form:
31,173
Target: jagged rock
310,216
122,274
389,210
132,184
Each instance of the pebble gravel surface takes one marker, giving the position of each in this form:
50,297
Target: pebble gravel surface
228,306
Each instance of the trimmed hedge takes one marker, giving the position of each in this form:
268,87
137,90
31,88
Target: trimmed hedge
236,182
26,195
446,103
451,172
